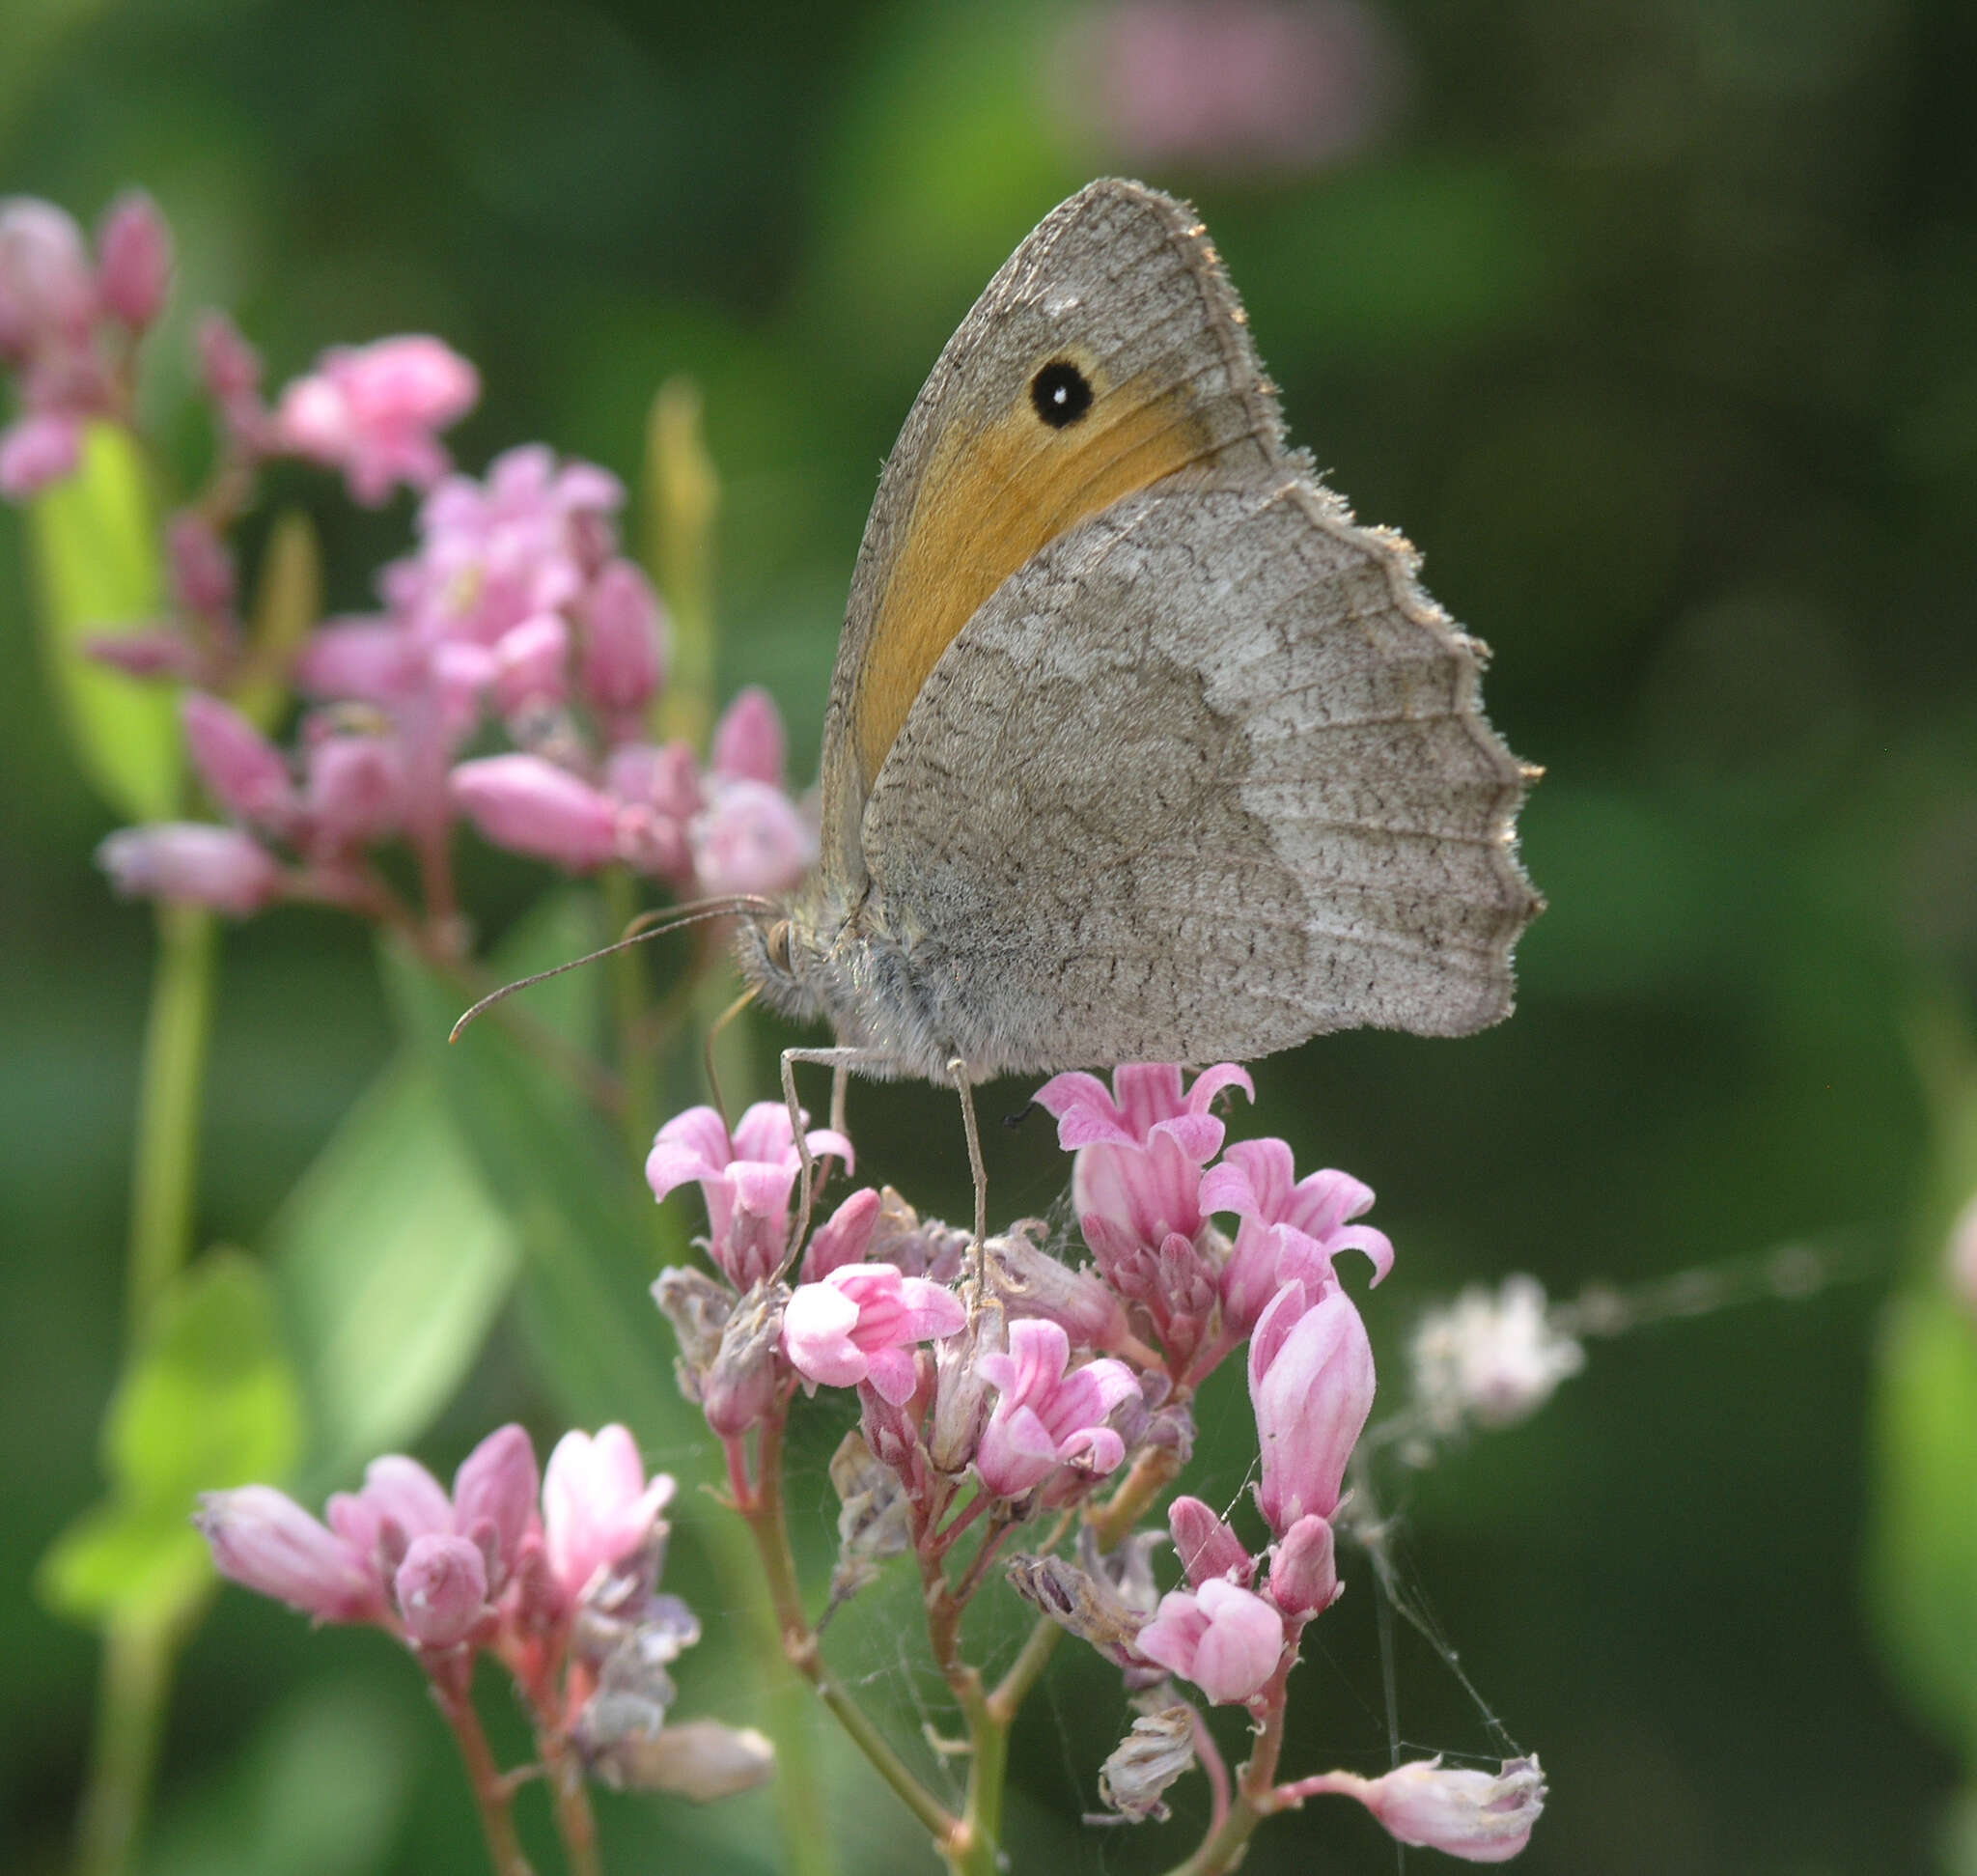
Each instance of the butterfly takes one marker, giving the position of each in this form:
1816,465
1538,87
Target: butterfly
1138,747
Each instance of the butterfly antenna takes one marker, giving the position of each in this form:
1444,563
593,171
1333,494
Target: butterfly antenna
713,1031
646,925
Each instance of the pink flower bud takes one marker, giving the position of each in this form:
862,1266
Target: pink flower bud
39,450
749,743
134,260
1046,1418
401,1500
359,660
263,1539
1304,1576
371,411
497,1484
1207,1547
844,1237
162,654
860,1324
1480,1816
355,793
231,371
46,293
531,662
202,568
1311,1385
242,771
1226,1640
532,806
750,839
624,641
597,1506
441,1588
188,861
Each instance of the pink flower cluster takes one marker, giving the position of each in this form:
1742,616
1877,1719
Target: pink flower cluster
556,1576
69,326
519,608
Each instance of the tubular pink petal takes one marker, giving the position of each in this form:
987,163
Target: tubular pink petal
532,806
134,259
188,861
242,771
264,1540
441,1589
748,741
39,450
1206,1545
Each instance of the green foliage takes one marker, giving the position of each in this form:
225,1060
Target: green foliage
209,1401
98,563
391,1263
583,1215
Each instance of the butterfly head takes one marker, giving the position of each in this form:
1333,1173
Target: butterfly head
782,955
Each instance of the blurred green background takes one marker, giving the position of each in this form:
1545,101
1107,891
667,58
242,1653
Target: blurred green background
1654,325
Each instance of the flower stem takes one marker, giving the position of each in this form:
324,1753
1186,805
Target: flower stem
138,1654
576,1823
136,1684
494,1792
763,1509
166,1165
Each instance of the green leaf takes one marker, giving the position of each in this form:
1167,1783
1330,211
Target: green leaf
589,1234
391,1263
96,549
1922,1572
209,1401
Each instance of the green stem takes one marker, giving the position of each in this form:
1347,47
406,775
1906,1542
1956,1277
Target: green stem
136,1681
763,1514
130,1708
166,1166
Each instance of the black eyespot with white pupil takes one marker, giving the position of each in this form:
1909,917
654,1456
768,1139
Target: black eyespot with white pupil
1061,393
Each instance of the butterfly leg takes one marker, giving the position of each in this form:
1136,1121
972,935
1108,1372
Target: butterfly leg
840,1061
958,1071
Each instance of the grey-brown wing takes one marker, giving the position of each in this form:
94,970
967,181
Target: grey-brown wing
1127,277
1207,776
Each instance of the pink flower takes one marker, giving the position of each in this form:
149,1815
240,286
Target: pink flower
597,1506
532,806
1291,1227
42,449
441,1590
1482,1817
134,260
494,1497
624,644
47,297
747,1179
400,1502
1304,1576
749,743
188,861
263,1539
202,566
531,665
750,839
356,791
1224,1638
360,660
1207,1547
229,367
861,1322
843,1237
658,793
1311,1385
242,771
524,540
371,411
1140,1150
1045,1417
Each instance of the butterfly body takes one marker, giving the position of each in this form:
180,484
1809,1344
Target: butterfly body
1138,749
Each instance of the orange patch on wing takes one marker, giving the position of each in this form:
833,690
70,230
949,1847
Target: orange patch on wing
991,499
